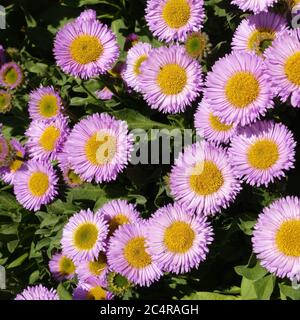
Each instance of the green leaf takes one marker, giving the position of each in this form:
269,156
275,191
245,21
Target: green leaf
255,273
50,220
17,262
289,292
63,293
117,27
260,289
34,276
136,120
87,192
80,101
209,296
12,245
9,229
60,207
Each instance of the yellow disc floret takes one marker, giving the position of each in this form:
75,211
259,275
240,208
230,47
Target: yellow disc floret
292,68
241,89
206,178
176,13
179,237
288,238
86,49
49,138
85,236
263,154
38,184
135,253
172,79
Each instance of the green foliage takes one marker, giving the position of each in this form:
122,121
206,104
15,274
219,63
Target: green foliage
28,240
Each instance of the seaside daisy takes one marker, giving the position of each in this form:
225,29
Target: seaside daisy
202,179
179,240
135,57
238,88
257,32
37,292
5,101
170,79
8,173
84,236
35,184
44,104
210,126
276,238
262,152
46,138
129,256
172,20
99,147
94,291
61,267
10,75
92,269
283,62
119,212
85,48
254,5
71,178
197,45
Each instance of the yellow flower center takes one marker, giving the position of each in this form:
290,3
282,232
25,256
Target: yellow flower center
49,138
288,238
96,293
5,99
176,13
38,184
16,164
66,266
241,89
217,125
74,177
86,235
179,237
292,3
86,49
172,79
260,40
263,154
292,68
138,63
100,148
117,221
135,253
96,267
206,178
48,106
10,76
